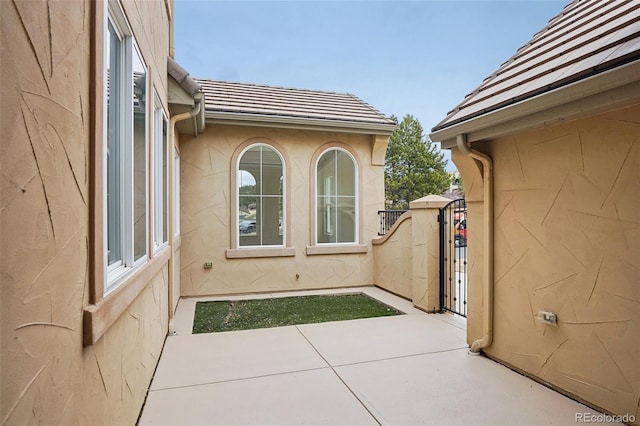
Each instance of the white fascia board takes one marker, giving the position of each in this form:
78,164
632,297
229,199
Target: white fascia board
611,89
241,119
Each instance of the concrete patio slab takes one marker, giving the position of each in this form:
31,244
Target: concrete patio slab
347,342
215,357
403,370
315,397
455,388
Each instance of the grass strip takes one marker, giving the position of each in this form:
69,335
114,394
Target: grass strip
280,311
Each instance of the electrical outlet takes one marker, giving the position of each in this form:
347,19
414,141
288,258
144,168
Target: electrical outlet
548,318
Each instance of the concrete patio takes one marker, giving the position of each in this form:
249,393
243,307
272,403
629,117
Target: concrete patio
411,369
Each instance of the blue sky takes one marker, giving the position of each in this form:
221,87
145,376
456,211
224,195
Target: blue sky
403,57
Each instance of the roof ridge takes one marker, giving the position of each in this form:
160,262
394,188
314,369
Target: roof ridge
270,86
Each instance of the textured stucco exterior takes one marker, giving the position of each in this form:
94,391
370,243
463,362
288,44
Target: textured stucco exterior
207,218
47,375
567,240
393,257
407,258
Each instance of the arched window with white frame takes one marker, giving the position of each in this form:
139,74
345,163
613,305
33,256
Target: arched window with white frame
260,206
336,198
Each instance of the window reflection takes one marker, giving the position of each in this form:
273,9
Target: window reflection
260,181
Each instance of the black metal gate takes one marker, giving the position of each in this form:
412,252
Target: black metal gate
453,257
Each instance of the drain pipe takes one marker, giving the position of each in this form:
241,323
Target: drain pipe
487,177
172,170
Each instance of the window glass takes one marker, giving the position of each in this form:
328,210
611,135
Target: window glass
336,202
126,186
114,136
138,79
165,180
176,192
260,195
160,194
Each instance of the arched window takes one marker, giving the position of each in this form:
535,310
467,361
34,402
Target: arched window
260,197
336,198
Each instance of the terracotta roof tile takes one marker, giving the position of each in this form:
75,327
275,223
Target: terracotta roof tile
586,38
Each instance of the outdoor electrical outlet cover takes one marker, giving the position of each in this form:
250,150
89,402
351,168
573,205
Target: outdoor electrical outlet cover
548,317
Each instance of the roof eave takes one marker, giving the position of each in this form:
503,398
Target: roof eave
610,89
301,123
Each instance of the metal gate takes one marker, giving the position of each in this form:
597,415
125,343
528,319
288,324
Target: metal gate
453,257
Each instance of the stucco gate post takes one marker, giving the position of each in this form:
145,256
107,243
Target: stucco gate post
426,251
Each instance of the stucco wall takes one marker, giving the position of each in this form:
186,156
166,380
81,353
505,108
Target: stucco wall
47,377
206,214
567,240
393,257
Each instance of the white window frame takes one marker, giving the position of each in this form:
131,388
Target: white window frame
117,271
176,192
160,175
329,229
236,215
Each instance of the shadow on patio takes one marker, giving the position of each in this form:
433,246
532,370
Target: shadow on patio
407,369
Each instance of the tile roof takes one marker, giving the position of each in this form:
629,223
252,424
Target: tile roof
253,100
588,37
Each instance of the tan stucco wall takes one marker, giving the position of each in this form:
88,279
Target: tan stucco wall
46,374
393,258
206,215
426,251
567,240
407,258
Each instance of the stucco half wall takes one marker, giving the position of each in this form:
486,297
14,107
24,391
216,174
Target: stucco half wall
207,214
567,240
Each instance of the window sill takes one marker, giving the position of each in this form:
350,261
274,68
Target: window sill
260,252
336,249
99,317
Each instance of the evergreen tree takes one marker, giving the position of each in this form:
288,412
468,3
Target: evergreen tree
414,166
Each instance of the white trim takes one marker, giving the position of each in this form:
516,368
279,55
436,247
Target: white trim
116,273
160,173
176,193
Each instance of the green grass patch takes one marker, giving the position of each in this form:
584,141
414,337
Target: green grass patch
276,312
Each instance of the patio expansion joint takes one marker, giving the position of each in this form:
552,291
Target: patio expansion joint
239,379
339,377
466,348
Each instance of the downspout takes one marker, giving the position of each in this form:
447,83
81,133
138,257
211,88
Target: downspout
172,170
487,239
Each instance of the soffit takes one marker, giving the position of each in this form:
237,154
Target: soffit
587,38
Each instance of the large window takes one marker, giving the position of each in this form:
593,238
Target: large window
176,193
126,150
336,198
260,197
160,176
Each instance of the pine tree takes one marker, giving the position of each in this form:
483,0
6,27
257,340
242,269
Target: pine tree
414,166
